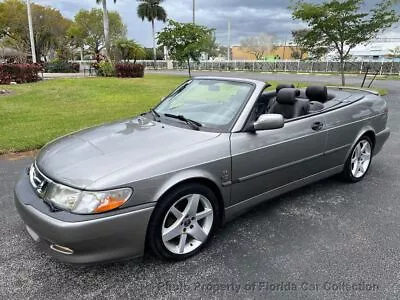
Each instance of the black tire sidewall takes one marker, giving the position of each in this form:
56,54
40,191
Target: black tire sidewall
347,174
154,238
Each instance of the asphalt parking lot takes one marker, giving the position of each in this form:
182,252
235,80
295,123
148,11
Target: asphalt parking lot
330,240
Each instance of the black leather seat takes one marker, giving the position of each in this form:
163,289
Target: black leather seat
278,88
288,105
316,106
284,86
317,93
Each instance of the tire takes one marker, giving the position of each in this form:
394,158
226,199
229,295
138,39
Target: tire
359,160
179,228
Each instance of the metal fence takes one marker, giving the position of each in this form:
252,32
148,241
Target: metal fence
378,67
387,68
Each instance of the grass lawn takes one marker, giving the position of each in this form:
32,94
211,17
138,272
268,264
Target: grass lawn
37,113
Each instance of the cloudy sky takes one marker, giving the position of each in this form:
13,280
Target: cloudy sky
247,17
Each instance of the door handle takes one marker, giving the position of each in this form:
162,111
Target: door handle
317,126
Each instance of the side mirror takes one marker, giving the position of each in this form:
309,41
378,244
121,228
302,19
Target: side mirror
269,122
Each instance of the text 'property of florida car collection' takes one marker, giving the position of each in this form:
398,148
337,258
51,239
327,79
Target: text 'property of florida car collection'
212,149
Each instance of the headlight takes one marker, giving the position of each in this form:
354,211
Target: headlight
85,202
62,196
98,202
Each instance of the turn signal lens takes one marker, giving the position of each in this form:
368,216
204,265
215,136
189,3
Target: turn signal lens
109,203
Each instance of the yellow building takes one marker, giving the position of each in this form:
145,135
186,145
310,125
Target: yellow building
279,52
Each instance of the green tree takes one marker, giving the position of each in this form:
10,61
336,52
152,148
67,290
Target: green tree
106,25
50,27
302,48
152,11
87,29
150,55
217,50
129,49
342,25
185,41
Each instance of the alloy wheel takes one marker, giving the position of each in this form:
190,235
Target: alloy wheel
361,158
187,224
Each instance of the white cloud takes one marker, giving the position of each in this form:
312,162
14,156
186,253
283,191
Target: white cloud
247,17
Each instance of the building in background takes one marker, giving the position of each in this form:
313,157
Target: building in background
279,52
378,49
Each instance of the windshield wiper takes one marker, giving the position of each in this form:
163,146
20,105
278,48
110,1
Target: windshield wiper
195,125
155,114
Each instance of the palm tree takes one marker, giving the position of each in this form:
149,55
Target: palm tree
152,10
106,24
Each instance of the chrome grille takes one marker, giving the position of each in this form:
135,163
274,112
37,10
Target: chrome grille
38,180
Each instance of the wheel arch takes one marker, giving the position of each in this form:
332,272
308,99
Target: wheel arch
203,178
366,131
372,137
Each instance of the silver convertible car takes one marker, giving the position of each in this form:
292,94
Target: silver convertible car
212,149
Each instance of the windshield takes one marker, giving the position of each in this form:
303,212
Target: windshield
211,103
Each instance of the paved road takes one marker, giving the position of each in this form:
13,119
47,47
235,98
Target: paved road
352,79
305,244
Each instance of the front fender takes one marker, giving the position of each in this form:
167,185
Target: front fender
190,175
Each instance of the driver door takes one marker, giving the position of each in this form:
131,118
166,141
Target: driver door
266,160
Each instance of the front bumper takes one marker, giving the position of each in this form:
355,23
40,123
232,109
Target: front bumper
94,238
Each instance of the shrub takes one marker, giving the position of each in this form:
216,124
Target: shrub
104,68
59,66
129,70
20,73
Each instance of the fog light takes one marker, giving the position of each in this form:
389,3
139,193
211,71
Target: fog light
61,249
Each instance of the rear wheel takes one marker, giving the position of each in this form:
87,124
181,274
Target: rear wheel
183,222
359,161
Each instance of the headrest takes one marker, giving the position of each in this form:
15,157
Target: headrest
283,86
287,96
317,93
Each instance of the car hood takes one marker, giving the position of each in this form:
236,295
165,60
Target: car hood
82,158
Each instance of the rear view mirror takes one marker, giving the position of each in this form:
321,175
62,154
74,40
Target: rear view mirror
269,122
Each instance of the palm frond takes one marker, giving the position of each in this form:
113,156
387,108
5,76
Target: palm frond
151,10
161,14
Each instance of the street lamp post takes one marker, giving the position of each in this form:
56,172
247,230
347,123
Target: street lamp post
229,40
194,11
32,38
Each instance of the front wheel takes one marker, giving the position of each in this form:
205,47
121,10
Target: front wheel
183,222
358,163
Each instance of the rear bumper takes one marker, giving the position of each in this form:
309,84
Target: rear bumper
92,240
380,140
